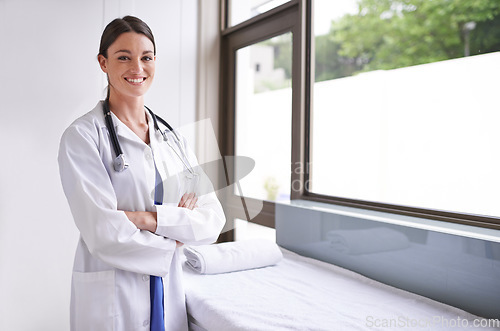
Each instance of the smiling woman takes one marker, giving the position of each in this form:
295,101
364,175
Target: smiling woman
130,65
130,68
129,62
131,217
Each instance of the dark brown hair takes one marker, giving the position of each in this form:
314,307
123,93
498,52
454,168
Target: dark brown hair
121,25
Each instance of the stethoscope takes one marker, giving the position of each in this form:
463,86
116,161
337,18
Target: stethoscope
120,164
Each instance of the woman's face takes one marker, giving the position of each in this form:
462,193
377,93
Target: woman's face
130,65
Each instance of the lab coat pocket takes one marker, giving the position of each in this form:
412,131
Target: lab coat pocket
94,300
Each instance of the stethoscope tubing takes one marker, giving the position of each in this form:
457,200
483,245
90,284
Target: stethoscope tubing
119,164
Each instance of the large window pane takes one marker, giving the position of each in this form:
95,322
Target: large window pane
405,103
263,116
240,11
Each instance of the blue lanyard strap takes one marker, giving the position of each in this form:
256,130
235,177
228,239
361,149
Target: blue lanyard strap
157,305
156,283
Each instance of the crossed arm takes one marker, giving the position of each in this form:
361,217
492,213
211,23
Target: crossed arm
147,220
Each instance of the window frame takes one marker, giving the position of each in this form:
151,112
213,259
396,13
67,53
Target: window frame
296,16
279,20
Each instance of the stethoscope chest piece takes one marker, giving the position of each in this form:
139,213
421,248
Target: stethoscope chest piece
119,163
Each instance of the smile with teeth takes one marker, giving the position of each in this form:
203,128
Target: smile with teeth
135,80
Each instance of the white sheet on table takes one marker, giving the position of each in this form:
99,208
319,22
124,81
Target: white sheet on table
305,294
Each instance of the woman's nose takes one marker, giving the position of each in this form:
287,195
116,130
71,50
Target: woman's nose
136,66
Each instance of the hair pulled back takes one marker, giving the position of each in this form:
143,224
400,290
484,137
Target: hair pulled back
118,26
121,25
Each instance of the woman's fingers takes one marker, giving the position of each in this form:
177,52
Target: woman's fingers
192,202
183,200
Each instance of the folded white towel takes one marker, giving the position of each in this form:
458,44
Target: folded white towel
366,241
232,256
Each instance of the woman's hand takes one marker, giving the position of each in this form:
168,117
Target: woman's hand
188,201
146,220
143,220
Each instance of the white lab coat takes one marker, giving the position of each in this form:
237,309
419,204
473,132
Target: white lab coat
110,284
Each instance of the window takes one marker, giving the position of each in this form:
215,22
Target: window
261,88
239,11
263,114
405,106
392,104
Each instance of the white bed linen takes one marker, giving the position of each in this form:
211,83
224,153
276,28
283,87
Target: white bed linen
300,293
232,256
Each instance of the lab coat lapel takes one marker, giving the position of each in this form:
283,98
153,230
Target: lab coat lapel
167,165
156,144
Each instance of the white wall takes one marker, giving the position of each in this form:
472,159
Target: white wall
50,76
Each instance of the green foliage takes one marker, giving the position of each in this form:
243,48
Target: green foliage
486,37
329,63
388,34
283,54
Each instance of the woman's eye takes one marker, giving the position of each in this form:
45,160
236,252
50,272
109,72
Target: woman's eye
147,58
122,58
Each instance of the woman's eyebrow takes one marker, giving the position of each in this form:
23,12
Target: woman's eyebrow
129,52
